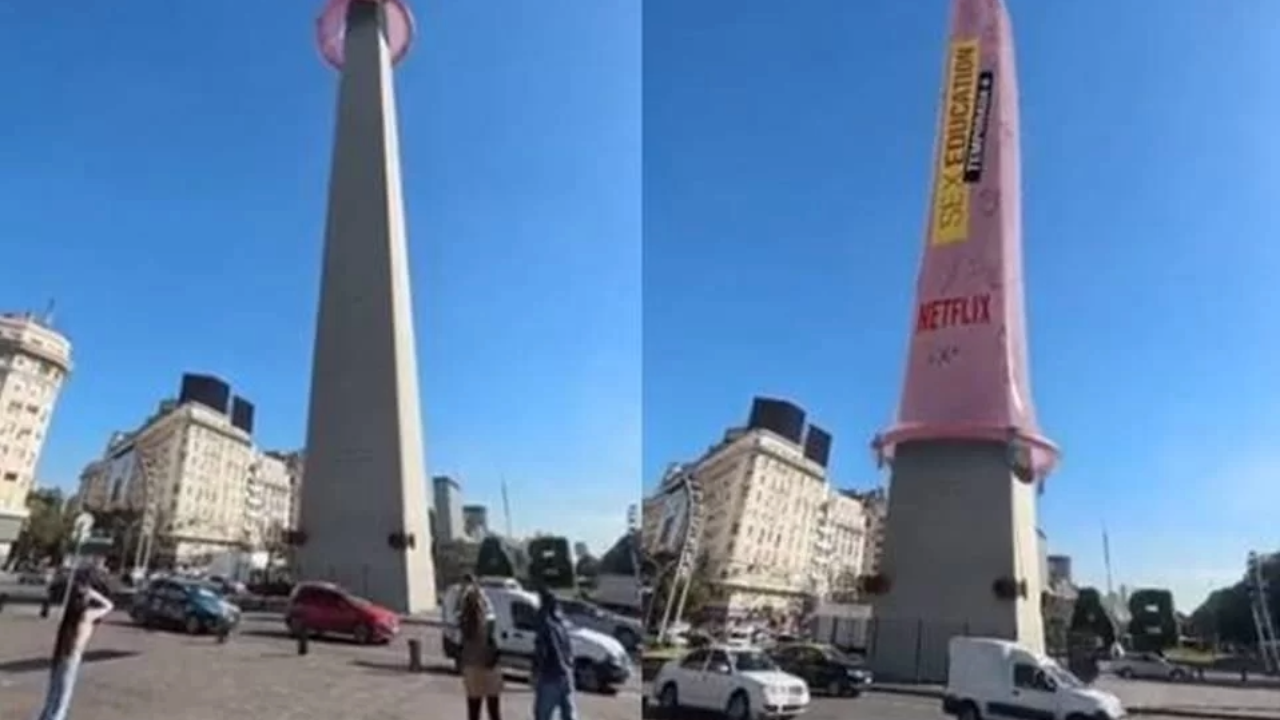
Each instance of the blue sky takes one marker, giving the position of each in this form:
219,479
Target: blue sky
163,173
786,159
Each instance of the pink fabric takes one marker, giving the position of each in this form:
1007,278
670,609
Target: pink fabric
967,374
331,28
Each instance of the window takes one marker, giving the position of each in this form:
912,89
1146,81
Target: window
524,616
11,476
695,660
1024,676
719,662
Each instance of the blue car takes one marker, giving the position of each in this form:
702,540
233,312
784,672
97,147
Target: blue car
192,607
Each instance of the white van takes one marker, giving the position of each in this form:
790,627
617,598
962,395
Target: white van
989,678
599,661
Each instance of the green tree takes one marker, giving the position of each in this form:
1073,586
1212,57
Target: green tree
44,535
1226,616
587,567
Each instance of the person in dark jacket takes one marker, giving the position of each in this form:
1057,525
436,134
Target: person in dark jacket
552,663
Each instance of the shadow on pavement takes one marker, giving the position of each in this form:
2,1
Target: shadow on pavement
43,663
284,634
438,669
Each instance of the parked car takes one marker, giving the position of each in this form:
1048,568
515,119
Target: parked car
823,668
988,676
743,683
35,577
600,663
589,615
317,608
193,607
1148,666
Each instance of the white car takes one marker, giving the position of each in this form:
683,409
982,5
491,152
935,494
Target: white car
600,663
1146,665
743,683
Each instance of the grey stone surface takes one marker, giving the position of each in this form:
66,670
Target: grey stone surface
957,521
365,475
256,676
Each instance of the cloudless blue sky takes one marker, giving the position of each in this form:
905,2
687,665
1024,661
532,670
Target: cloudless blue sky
163,170
787,149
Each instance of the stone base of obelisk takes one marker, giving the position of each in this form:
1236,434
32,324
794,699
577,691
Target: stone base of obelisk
958,520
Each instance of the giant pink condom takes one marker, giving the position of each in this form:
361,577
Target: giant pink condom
967,375
331,29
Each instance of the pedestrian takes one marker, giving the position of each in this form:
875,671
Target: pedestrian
481,676
84,607
552,662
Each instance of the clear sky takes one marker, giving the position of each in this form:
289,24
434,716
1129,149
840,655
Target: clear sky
163,169
787,152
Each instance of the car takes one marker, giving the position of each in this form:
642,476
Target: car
589,615
318,608
823,668
35,577
600,663
989,677
1150,666
194,607
743,683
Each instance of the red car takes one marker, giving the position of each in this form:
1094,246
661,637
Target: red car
326,609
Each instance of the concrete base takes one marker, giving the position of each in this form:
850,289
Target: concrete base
365,475
957,521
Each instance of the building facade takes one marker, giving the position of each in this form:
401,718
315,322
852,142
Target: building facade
475,521
763,520
875,509
34,362
449,522
196,480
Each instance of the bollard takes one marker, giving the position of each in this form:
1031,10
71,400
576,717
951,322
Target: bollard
44,607
415,655
224,631
4,599
302,643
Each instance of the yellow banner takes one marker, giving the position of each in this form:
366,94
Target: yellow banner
951,193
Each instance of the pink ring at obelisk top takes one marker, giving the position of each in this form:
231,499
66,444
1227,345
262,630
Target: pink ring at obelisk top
331,29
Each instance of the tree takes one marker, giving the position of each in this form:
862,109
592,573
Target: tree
44,535
1226,616
453,560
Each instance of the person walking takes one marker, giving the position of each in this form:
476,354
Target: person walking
552,662
84,607
481,676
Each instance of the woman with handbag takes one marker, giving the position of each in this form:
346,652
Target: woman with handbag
481,676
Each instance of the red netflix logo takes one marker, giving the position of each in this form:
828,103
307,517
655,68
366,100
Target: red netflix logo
953,312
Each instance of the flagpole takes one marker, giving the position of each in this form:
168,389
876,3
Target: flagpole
506,506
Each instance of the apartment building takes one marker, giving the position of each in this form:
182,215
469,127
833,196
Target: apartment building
875,507
269,493
763,504
34,361
841,544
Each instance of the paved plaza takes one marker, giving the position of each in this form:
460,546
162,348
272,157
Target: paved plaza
132,674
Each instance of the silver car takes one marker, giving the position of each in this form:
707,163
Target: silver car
1148,666
593,617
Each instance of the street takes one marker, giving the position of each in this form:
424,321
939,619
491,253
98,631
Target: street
129,673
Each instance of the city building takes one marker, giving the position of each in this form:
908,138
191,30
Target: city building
767,512
269,493
475,521
35,360
94,491
194,476
449,522
875,504
840,546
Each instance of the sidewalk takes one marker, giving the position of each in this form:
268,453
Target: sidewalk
1208,709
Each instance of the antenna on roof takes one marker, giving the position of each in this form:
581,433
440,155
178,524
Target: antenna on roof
47,318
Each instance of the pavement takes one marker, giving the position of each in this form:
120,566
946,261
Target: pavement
130,673
1157,699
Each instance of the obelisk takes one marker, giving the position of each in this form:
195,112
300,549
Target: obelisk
966,454
364,502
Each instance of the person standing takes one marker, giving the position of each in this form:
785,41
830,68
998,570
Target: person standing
85,606
552,662
478,656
